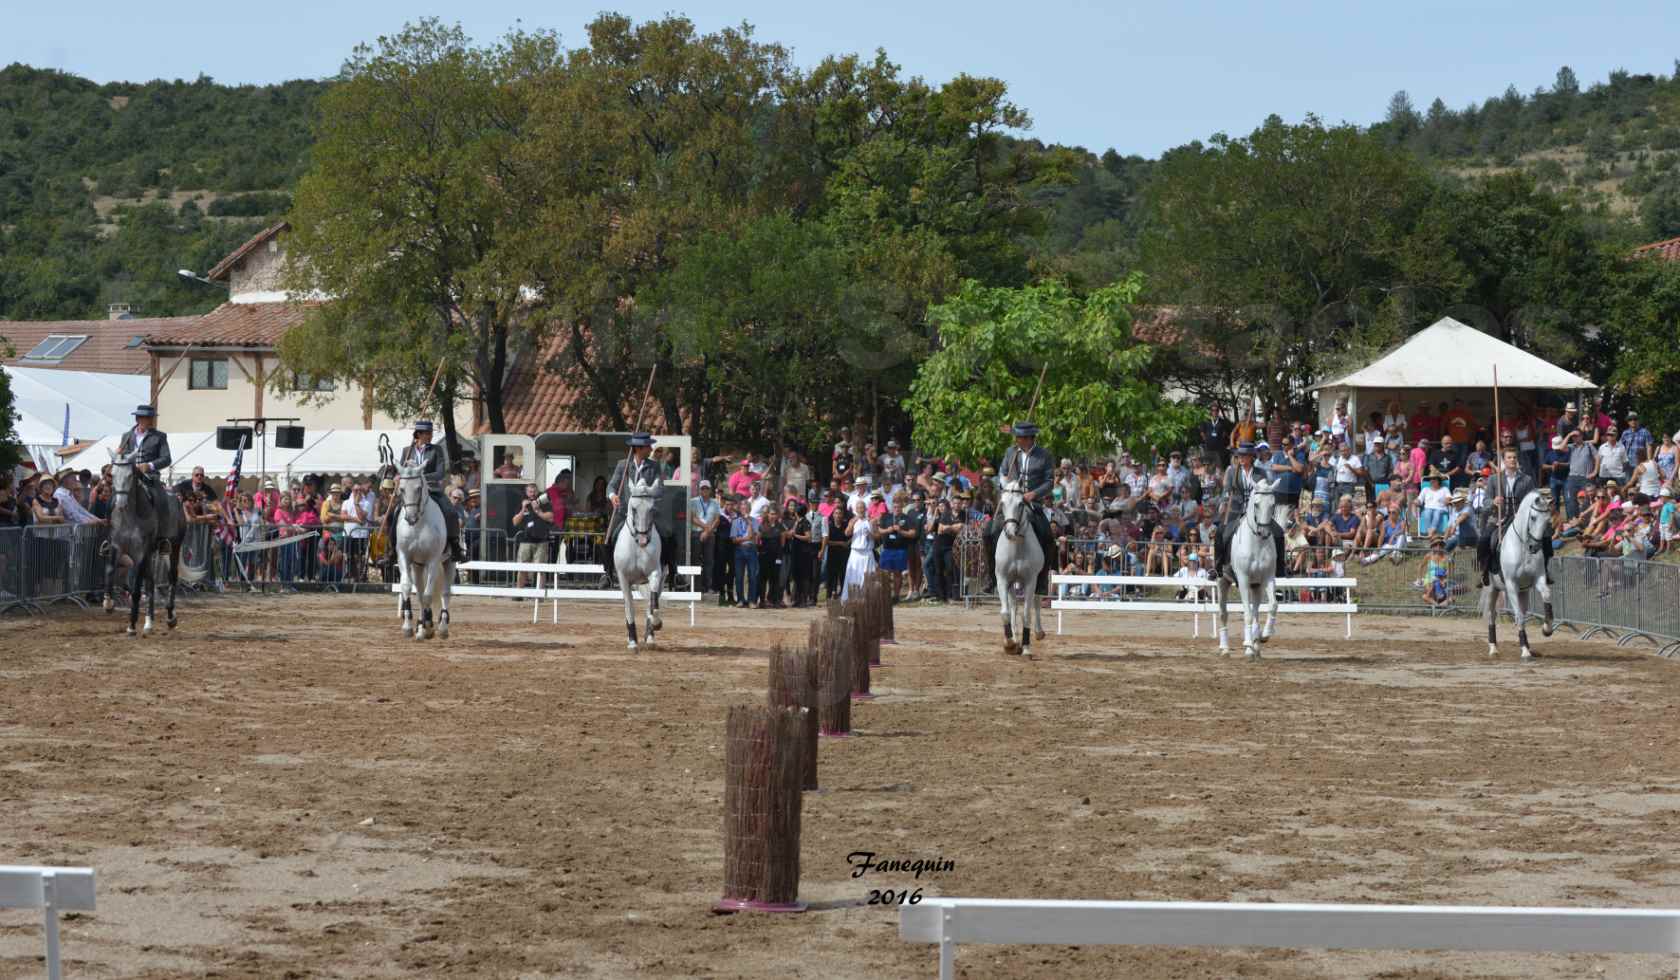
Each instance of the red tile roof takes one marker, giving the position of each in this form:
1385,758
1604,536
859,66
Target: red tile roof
106,349
220,270
539,398
1668,249
234,325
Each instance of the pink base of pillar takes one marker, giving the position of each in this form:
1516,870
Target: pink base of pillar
747,905
862,696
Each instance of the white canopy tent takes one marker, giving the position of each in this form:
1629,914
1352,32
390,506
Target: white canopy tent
1444,361
88,404
331,452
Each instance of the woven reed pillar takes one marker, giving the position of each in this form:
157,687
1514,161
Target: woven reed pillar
832,639
762,803
793,684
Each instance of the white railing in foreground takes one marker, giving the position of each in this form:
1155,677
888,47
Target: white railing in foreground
53,890
949,921
1201,599
554,593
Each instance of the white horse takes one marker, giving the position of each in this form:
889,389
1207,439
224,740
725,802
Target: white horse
1522,571
1019,559
636,556
1254,569
422,555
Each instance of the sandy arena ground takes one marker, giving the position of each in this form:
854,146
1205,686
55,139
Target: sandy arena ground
544,804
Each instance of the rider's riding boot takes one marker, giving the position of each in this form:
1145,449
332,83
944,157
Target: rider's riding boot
1282,559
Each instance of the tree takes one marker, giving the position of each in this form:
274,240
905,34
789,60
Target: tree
1644,323
1282,244
1660,208
1402,117
1098,389
11,451
1566,84
409,216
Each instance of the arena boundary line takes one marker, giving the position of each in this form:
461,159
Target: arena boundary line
53,890
950,921
554,593
1197,605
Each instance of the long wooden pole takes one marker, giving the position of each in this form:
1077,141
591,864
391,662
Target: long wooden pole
1033,408
1499,451
630,451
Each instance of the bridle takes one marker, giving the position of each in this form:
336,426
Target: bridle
1539,514
411,512
1008,506
640,491
1249,518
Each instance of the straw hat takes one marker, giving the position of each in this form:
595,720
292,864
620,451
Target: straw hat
1112,552
385,484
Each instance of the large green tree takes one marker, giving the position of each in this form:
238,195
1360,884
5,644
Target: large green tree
411,220
1098,389
1279,247
1643,321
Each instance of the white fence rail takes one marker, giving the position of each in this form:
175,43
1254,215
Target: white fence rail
553,593
1200,600
950,921
52,890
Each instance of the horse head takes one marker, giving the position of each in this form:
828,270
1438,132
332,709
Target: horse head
411,490
1012,507
1262,503
1535,517
641,509
122,475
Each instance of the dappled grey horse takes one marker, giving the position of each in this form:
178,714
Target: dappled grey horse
1522,572
422,543
141,524
636,557
1019,559
1253,570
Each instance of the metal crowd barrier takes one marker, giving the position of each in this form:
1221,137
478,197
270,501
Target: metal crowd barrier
1620,598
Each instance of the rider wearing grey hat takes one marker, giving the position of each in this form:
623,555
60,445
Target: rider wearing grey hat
1033,466
1240,477
434,465
149,446
639,468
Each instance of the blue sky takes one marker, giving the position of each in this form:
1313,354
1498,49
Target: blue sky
1140,77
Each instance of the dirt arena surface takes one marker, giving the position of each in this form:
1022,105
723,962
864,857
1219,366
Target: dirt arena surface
283,788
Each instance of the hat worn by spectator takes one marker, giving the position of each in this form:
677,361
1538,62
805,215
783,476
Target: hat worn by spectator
1460,496
1112,552
875,495
1193,557
61,474
1339,553
892,443
1557,442
705,484
639,439
269,484
383,485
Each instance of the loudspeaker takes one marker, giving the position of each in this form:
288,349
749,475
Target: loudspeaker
288,437
232,436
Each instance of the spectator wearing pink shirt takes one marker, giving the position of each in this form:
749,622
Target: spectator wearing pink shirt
741,481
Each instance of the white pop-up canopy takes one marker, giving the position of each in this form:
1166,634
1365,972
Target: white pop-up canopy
1444,361
89,405
331,452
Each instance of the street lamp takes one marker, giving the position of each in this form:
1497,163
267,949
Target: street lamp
195,277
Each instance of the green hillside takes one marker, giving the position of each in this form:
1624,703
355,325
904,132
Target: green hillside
106,190
1612,146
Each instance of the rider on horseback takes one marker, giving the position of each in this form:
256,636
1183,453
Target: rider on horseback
639,468
1240,477
150,447
1031,465
430,457
1510,486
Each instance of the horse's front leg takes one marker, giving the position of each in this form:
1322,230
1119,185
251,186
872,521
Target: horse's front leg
423,585
1545,590
1219,595
110,556
446,579
629,608
655,584
1270,629
1490,613
1514,597
174,581
1006,612
135,578
405,589
1251,616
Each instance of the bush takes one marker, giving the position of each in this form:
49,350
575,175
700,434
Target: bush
255,205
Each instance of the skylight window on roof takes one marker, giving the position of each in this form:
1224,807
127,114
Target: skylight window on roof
55,348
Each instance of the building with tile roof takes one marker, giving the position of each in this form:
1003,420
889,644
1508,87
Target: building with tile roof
1667,249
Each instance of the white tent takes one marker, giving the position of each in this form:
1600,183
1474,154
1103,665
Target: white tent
95,404
332,452
1447,360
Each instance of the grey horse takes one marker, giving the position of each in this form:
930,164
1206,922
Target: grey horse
138,530
1522,572
422,543
1254,572
1018,561
636,556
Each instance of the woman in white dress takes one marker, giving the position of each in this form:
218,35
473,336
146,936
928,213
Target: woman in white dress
862,559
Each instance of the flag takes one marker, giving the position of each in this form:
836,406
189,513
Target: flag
229,530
